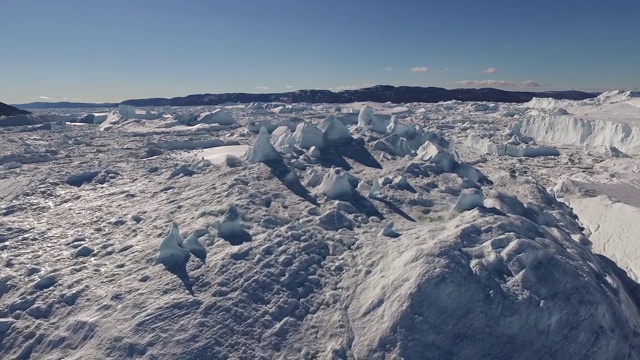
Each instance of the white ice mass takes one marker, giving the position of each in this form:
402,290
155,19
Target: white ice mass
335,185
262,149
194,246
217,116
308,135
517,231
172,255
334,132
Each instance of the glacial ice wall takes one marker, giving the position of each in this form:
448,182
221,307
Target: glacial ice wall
515,150
569,130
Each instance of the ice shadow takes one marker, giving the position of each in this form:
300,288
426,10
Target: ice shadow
180,271
393,207
406,187
289,178
364,206
330,159
354,149
236,238
633,288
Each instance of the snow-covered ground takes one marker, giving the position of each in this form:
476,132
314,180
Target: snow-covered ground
353,231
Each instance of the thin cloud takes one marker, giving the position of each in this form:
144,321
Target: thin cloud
350,87
288,86
485,83
261,87
45,97
530,83
490,70
388,68
346,87
419,69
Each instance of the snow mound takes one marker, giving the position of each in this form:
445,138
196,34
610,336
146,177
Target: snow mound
615,96
218,116
543,103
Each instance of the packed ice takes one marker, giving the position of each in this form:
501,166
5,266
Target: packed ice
454,230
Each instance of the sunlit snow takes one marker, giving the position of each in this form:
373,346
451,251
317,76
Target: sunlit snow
320,231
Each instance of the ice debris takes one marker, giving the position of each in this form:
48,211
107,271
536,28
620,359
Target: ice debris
194,246
308,135
218,116
469,199
335,185
437,155
375,192
334,131
335,220
262,149
389,231
172,255
365,116
230,228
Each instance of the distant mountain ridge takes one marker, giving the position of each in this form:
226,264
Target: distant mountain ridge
64,105
379,93
8,110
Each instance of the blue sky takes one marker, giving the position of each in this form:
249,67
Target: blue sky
95,51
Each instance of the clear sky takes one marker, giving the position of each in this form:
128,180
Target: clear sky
98,50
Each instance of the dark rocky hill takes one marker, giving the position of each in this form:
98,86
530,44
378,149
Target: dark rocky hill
8,110
379,93
65,105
